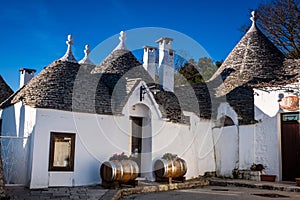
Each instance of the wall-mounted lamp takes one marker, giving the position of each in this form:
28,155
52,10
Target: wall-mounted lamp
280,97
143,91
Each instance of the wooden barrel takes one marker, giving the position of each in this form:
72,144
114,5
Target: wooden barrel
122,171
170,168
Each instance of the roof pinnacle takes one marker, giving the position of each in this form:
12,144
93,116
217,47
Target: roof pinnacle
86,59
69,55
122,38
253,18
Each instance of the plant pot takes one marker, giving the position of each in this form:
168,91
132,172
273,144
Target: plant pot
297,181
266,177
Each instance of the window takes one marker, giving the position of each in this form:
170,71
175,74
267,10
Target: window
62,146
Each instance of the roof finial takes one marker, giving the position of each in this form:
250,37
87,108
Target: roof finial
87,49
70,40
122,38
253,18
86,59
69,55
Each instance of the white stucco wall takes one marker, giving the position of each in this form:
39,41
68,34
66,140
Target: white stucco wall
18,127
268,128
97,138
246,146
267,142
226,140
191,142
100,136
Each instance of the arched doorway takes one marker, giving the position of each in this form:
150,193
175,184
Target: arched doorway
141,138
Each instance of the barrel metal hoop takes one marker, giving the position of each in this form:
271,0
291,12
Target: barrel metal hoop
173,168
121,170
184,166
114,170
181,168
131,170
136,167
165,167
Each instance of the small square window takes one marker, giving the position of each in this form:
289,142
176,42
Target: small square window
62,148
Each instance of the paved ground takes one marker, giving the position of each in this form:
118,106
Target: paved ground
93,192
231,189
217,193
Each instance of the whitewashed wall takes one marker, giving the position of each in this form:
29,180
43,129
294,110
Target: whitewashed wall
226,140
97,138
191,142
246,146
268,130
267,142
18,127
234,145
100,136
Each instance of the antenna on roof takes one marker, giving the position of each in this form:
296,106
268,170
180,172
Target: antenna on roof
122,38
86,59
69,55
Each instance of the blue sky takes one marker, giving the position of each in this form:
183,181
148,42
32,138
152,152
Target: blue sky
33,32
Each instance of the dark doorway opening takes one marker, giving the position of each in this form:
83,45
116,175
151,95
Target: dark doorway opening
136,139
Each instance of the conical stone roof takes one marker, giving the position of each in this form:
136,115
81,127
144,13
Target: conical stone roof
71,86
5,90
255,59
118,62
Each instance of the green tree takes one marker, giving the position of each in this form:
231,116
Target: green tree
219,63
195,72
191,72
206,67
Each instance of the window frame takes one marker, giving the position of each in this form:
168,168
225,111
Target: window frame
53,136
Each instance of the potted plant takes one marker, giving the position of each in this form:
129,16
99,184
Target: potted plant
257,167
263,176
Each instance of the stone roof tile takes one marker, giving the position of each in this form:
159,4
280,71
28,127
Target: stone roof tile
253,60
5,90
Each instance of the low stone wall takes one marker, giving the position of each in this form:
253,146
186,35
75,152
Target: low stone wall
160,188
247,175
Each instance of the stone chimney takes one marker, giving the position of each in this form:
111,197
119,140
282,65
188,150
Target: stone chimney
26,75
149,61
166,64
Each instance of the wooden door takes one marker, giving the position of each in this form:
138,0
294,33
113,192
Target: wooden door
290,141
136,139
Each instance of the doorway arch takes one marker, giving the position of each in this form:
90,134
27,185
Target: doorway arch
141,138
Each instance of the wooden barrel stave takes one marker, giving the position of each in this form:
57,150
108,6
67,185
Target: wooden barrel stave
122,171
167,168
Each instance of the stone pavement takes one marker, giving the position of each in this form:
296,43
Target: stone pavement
98,192
92,192
280,186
